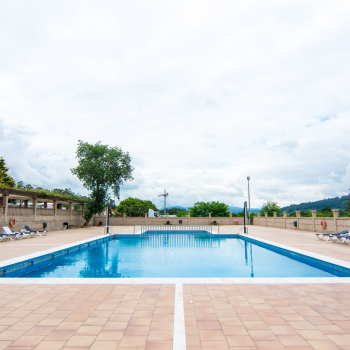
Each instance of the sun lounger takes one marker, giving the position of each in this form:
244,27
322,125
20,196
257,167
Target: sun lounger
339,238
342,239
39,233
4,237
11,234
324,235
27,234
346,239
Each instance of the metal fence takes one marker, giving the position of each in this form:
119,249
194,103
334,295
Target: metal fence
180,241
178,228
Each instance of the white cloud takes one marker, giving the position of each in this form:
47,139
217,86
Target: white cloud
201,93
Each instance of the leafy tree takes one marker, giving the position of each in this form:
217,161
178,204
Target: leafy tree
111,204
270,207
347,205
326,210
172,211
135,207
202,209
101,168
306,213
181,213
6,180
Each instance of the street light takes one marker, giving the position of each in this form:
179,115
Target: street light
248,178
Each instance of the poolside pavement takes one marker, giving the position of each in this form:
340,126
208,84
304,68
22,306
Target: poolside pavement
141,316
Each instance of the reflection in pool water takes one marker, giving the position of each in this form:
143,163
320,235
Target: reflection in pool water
177,255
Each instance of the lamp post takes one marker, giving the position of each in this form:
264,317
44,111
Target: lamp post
248,178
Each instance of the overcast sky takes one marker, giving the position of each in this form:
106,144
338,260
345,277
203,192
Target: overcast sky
200,93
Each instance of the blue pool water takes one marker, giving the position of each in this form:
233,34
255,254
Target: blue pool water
178,255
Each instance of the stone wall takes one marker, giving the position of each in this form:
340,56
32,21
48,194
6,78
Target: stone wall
134,221
25,216
334,224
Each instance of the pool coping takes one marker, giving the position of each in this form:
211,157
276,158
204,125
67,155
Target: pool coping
182,280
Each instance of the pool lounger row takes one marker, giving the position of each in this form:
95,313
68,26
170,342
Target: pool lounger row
26,233
341,237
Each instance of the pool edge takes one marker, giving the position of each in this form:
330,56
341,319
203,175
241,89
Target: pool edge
218,280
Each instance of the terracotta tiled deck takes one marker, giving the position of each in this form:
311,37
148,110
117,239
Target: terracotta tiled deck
139,317
86,317
135,317
293,317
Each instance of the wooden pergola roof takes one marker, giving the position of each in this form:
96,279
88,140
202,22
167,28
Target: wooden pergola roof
24,195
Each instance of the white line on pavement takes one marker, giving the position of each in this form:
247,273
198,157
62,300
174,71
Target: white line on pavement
179,341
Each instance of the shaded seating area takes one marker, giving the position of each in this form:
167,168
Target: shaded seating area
38,211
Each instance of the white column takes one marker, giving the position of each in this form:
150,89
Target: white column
298,217
34,208
336,215
314,216
285,219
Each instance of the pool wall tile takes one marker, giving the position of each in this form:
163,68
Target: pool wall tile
36,261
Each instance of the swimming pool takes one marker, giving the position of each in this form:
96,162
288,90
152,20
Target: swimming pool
175,254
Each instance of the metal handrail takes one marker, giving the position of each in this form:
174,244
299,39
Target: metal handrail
165,228
111,231
242,227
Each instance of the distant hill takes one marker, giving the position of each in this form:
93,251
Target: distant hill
231,209
239,210
334,203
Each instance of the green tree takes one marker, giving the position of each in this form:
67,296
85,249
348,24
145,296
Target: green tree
347,205
306,213
101,168
181,213
326,210
6,180
344,213
270,207
171,211
217,209
135,206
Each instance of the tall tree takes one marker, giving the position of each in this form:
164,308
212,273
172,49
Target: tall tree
216,209
270,207
6,180
347,205
135,206
101,168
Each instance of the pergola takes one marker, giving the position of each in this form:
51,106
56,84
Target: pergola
28,197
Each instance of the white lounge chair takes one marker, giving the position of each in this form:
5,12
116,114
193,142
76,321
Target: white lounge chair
12,234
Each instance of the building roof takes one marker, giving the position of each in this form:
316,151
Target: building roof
25,195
